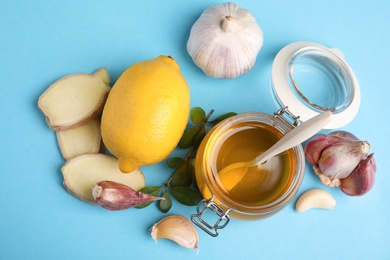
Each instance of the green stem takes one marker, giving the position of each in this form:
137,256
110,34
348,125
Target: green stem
209,115
188,156
169,181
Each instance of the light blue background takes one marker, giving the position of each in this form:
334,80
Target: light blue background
41,41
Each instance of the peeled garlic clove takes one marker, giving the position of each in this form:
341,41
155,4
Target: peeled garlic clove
361,180
116,196
178,229
225,41
338,160
316,145
315,198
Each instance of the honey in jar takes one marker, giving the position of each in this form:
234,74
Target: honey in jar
259,192
254,186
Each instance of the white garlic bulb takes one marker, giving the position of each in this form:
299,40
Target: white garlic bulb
225,40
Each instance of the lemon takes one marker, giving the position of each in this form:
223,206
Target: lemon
146,113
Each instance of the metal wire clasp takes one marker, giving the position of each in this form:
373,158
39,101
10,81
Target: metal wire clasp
211,229
279,114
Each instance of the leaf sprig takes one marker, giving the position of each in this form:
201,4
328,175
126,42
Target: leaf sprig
182,183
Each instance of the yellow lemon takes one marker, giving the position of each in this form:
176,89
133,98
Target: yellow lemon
146,113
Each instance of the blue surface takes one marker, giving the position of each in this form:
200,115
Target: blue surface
41,41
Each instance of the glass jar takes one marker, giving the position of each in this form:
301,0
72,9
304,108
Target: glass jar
300,70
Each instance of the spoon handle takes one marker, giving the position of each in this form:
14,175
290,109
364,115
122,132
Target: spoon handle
296,136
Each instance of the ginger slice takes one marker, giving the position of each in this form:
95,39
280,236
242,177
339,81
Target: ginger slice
74,99
83,139
83,172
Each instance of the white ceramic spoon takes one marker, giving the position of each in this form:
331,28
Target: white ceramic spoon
293,138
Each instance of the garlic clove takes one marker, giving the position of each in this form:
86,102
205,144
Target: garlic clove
338,160
361,180
178,229
315,198
316,145
225,40
116,196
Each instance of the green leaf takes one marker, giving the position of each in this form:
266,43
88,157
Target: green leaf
197,115
151,190
223,117
144,205
187,196
199,137
189,136
165,205
192,162
175,162
181,176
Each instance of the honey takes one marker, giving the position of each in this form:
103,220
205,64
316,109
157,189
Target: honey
254,193
254,186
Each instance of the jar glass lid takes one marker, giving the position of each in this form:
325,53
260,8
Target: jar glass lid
309,79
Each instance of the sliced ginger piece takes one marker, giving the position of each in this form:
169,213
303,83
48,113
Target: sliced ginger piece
81,174
84,139
74,99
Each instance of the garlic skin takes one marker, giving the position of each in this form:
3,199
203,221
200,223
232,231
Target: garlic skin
116,196
178,229
316,145
338,160
335,156
345,135
361,180
225,40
